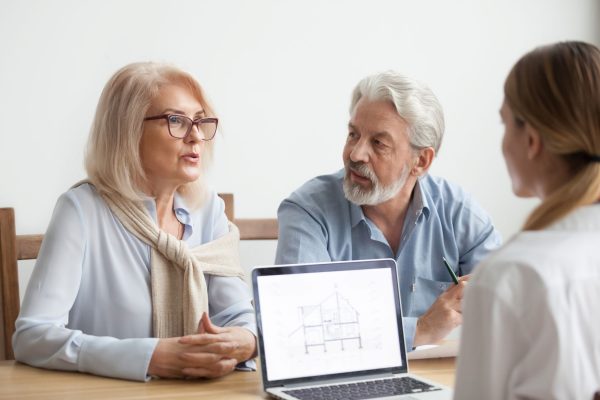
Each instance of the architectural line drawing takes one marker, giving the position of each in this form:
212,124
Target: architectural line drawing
334,322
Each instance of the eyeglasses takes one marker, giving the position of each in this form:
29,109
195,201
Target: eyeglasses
180,126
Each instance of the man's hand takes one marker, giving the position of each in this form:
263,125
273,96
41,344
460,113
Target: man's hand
444,315
211,353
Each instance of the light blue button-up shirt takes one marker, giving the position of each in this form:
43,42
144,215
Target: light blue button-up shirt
317,223
88,304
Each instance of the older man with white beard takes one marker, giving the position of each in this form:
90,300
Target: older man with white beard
383,204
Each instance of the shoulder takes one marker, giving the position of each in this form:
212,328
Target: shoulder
440,191
321,194
532,263
84,198
583,219
508,264
79,208
507,278
450,200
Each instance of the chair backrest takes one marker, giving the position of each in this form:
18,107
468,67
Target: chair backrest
15,247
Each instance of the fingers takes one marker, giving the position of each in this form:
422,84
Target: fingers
222,349
208,361
456,305
201,328
202,339
455,292
176,360
199,359
450,299
457,319
436,324
460,290
235,342
214,370
206,326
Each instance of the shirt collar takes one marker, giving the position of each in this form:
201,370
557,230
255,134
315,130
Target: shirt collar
418,203
179,204
182,213
356,214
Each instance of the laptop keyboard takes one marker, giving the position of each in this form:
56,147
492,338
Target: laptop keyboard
363,390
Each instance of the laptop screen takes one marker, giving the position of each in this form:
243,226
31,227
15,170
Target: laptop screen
323,320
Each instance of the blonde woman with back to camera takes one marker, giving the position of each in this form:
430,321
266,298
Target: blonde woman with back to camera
531,327
136,257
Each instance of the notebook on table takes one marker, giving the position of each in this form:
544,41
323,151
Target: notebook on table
334,331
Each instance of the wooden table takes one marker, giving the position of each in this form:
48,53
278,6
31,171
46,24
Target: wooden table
19,381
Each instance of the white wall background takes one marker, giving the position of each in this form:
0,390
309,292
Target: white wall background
279,74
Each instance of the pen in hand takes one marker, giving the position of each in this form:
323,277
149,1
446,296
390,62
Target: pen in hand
450,271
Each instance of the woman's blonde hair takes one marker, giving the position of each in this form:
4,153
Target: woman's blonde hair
112,158
556,89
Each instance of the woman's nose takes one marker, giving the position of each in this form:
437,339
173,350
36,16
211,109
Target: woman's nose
194,135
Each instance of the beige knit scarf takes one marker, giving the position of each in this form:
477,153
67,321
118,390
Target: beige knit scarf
179,291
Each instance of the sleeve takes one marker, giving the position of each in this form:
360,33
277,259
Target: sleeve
490,347
41,338
301,237
477,237
230,304
409,325
229,298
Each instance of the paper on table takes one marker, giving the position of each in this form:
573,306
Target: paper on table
446,348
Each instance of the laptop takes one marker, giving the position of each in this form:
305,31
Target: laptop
334,331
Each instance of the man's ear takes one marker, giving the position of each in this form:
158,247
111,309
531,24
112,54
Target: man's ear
535,145
423,161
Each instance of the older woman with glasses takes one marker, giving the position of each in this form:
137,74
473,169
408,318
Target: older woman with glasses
138,256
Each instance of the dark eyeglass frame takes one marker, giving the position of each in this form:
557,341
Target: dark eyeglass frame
197,122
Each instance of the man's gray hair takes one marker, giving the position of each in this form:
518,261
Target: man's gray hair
414,102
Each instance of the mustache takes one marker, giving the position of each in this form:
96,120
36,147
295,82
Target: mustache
362,169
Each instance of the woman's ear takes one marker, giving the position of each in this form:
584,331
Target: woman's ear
423,161
535,146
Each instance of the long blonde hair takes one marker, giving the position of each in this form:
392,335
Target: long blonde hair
556,89
112,159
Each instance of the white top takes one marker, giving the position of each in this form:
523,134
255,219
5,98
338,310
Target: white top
531,324
88,306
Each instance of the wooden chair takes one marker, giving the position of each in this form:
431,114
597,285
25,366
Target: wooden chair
15,247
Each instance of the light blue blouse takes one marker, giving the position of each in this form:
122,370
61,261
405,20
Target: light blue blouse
317,223
88,304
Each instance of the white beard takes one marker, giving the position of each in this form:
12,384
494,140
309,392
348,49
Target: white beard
378,193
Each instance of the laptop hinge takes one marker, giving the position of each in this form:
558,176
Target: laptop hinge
338,380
